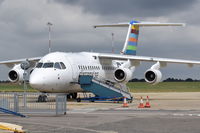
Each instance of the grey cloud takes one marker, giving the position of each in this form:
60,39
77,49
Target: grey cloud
131,8
1,1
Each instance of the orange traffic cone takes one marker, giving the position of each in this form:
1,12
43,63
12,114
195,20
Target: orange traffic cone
125,104
147,105
141,105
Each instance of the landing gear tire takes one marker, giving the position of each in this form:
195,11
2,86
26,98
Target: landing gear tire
42,98
72,96
68,96
78,100
131,100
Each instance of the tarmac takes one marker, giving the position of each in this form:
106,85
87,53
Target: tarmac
169,113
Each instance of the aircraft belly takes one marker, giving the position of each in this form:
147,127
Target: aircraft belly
72,88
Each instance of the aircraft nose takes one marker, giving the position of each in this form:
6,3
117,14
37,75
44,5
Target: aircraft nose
36,81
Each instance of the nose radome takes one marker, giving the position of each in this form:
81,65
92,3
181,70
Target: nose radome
35,81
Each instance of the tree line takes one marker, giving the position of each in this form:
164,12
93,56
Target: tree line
142,80
168,80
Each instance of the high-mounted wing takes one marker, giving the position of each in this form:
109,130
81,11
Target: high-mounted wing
11,63
137,59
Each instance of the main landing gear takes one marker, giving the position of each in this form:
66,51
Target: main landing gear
44,98
72,96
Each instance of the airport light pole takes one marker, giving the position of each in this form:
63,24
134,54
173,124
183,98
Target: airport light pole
25,65
112,42
25,87
49,25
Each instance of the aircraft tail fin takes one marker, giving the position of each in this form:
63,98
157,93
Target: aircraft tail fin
130,45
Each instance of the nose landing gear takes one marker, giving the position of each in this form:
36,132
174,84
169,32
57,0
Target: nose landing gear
42,98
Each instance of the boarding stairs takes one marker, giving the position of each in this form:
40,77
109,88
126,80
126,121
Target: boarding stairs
103,88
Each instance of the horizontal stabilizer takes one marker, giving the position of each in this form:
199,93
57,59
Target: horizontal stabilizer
137,23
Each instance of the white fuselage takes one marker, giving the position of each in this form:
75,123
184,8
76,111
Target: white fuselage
52,79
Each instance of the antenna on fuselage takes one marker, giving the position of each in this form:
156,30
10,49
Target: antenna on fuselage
49,25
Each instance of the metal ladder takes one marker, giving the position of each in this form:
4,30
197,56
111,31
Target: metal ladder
103,88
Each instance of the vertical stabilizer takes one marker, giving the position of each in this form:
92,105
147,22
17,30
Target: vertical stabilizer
130,45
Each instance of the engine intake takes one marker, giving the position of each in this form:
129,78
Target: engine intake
123,74
153,76
120,75
16,74
13,75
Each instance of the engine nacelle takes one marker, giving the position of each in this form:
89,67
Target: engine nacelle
153,76
16,74
123,75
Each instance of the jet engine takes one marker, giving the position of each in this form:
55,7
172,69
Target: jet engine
16,74
153,75
123,74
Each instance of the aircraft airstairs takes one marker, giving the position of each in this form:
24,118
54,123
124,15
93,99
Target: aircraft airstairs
104,89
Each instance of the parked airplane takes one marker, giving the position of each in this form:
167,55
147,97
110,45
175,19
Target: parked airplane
59,72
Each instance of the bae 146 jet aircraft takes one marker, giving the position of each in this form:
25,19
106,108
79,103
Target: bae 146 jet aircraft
59,72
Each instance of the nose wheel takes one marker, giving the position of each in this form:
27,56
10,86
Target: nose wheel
42,98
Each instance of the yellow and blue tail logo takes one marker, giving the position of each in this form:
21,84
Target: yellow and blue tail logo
132,41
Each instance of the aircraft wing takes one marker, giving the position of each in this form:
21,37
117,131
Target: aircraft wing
137,59
11,63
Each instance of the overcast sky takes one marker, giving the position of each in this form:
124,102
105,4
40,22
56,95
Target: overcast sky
24,33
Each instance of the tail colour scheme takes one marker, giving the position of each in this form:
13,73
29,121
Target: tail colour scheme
130,45
132,41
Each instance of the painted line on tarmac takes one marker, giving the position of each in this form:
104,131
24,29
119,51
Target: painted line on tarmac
87,110
57,127
87,129
186,114
121,108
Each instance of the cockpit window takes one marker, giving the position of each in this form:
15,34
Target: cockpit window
39,65
48,65
62,65
57,65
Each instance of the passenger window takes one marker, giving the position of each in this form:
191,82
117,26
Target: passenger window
57,65
62,65
39,65
48,65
